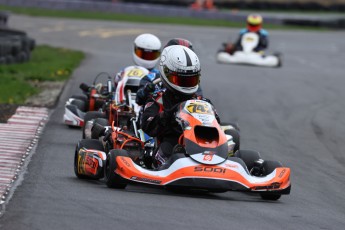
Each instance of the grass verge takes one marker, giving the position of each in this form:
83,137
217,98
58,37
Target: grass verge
140,18
46,64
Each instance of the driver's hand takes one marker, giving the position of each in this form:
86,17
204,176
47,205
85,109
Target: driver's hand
149,88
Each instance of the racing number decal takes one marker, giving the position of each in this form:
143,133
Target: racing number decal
198,107
135,73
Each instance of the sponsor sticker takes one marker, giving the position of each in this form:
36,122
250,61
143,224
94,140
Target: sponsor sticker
208,157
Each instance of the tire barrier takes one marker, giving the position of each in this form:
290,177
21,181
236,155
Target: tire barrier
3,18
321,5
177,10
15,46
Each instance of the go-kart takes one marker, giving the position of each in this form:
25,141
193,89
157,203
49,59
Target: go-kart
93,99
96,96
247,55
122,107
203,159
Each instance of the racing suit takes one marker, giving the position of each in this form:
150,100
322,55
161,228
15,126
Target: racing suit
263,40
158,120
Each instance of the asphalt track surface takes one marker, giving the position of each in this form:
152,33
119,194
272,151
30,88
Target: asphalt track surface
295,114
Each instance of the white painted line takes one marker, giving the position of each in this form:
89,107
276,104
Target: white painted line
27,117
19,121
9,161
11,151
16,136
15,158
13,126
4,148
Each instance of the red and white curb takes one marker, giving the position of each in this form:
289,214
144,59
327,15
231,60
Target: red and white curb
17,139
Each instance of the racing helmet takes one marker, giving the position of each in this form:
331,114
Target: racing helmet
179,69
254,22
146,50
180,41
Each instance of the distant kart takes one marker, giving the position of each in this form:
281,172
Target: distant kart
93,99
122,109
203,159
101,92
247,55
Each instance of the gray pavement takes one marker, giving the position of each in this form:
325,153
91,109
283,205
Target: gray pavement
294,114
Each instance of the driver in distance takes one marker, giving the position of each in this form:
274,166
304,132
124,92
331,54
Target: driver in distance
254,25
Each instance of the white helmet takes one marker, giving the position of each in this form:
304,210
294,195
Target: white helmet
147,49
179,67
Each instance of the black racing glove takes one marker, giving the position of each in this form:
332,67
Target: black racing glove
167,114
149,88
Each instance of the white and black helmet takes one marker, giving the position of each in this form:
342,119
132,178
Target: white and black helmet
180,69
147,49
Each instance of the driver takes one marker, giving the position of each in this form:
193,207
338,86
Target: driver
146,87
179,69
146,53
254,25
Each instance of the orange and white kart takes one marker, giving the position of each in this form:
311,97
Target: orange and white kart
203,159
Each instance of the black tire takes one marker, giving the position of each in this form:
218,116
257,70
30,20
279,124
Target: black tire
21,57
235,125
79,104
90,116
98,127
2,60
249,157
235,136
112,179
81,97
269,167
9,59
88,144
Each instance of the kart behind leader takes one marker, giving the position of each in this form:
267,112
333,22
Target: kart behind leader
101,91
203,159
248,55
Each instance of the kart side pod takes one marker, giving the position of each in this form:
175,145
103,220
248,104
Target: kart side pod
91,163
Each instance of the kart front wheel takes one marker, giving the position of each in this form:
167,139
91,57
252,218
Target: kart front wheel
249,157
112,179
91,115
87,144
269,167
235,137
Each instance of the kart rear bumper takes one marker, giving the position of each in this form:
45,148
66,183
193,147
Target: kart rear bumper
72,119
240,57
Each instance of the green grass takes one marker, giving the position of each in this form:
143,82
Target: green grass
137,18
46,64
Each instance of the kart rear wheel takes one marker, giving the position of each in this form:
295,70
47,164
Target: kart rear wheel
112,179
91,115
269,167
80,97
249,157
98,127
88,144
79,104
235,137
